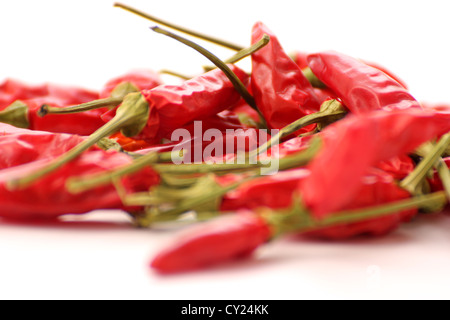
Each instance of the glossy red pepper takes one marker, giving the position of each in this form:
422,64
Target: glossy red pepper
361,87
227,238
281,91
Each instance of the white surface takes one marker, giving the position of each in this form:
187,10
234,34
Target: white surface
87,42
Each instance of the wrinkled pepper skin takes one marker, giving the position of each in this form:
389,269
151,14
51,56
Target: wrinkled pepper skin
377,188
226,238
361,87
353,145
25,151
281,91
199,98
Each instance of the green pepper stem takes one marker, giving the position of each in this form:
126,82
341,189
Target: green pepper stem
91,105
133,111
349,216
244,52
175,74
16,114
193,33
444,175
81,184
312,78
414,180
332,110
237,83
298,219
116,98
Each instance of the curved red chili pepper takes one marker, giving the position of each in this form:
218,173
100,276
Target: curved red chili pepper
142,79
281,91
361,87
353,145
226,238
199,98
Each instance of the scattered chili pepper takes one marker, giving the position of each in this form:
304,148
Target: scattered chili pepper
25,114
232,237
25,151
359,142
281,91
361,87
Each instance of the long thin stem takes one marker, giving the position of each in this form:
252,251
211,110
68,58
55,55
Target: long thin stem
196,34
239,86
245,52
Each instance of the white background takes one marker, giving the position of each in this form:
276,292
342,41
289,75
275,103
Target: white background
99,256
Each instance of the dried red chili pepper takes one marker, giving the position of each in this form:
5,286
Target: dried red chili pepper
361,87
231,237
25,114
359,142
26,151
281,91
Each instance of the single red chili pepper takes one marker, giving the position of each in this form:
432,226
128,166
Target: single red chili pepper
27,151
204,96
25,114
231,237
281,91
141,79
353,145
361,87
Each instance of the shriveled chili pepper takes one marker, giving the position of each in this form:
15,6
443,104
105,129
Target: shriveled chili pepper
361,87
359,142
26,151
25,114
281,91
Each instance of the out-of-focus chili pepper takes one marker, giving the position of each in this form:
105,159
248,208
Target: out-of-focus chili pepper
361,87
281,91
435,181
12,90
20,146
24,151
399,166
25,114
141,79
359,142
228,238
377,188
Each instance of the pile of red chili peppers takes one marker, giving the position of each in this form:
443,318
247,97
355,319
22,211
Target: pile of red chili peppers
356,153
